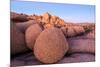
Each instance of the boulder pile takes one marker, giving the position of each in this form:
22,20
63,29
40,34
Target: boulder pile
50,38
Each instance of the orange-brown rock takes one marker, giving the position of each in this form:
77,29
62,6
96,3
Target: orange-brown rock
46,18
70,31
64,30
31,34
78,29
88,26
48,26
44,35
53,20
59,23
50,46
35,17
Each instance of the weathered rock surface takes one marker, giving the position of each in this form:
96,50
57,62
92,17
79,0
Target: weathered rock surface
28,59
47,21
72,30
80,37
18,44
23,26
78,57
31,35
50,46
81,45
16,17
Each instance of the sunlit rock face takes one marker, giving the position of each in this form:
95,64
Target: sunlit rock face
80,39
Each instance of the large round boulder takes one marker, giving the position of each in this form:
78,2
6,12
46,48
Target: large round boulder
50,46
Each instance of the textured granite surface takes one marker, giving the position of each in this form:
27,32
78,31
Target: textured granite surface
28,58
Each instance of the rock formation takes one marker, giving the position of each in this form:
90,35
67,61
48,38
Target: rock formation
18,44
52,39
15,17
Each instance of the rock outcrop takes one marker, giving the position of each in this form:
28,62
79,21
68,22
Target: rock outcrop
51,39
16,17
46,18
69,29
49,21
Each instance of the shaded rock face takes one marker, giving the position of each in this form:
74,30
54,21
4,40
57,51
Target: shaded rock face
82,45
88,26
78,57
18,44
73,57
91,34
50,46
23,26
72,30
31,34
15,17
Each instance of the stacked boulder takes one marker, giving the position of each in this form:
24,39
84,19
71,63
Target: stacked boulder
49,37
